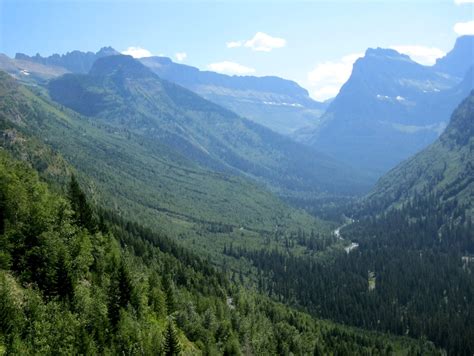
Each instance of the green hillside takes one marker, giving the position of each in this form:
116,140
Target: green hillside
137,176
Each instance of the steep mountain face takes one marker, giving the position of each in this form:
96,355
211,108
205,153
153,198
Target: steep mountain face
389,109
121,91
459,60
75,61
279,104
445,169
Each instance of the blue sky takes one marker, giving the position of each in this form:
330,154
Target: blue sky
311,42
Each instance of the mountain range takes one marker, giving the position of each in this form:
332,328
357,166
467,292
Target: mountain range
74,61
280,104
122,92
391,107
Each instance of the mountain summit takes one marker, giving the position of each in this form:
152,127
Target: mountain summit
75,61
119,64
459,59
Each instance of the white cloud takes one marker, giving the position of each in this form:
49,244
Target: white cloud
326,78
261,42
460,2
234,44
137,52
228,67
265,43
464,28
421,54
180,56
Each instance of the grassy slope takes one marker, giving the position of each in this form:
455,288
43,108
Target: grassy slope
138,177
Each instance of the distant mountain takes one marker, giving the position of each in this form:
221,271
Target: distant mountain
390,108
122,92
28,71
279,104
282,105
459,60
75,61
445,168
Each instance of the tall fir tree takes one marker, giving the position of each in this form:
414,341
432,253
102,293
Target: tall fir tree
64,284
120,293
83,215
171,346
169,294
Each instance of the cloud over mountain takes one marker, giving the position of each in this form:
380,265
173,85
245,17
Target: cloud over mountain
464,28
260,42
181,56
326,78
421,54
228,67
137,52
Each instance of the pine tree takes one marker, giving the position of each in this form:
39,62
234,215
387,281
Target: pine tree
318,351
169,293
120,293
171,344
64,286
82,211
2,212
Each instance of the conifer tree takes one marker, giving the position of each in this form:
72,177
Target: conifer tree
169,293
64,285
2,212
120,293
82,211
171,344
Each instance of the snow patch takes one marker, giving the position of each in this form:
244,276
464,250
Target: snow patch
295,105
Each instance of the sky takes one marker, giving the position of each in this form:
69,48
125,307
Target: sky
313,42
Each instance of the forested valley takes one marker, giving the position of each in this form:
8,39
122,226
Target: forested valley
79,280
398,279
